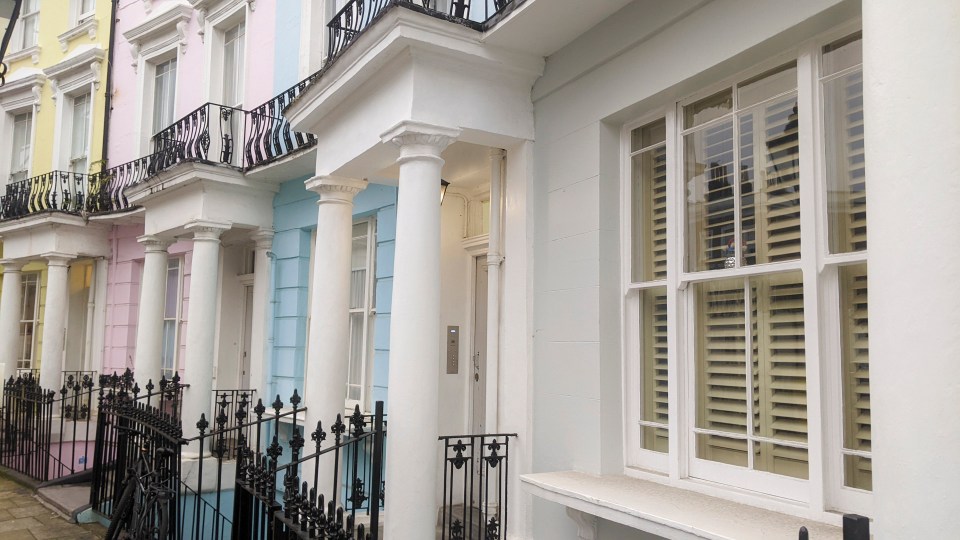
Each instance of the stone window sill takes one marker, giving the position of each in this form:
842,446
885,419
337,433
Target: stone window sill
667,511
88,26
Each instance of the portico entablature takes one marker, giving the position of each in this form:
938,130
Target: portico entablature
33,236
410,67
193,192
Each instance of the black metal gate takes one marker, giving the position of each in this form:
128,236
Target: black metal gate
46,433
138,455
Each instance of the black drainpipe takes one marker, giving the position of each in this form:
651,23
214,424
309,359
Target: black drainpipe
108,101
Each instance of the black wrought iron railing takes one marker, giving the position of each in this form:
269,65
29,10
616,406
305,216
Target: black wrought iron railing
46,434
855,527
357,15
476,471
226,404
130,419
55,191
269,136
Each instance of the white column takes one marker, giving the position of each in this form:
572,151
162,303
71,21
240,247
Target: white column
54,322
326,382
258,327
912,104
153,285
11,300
201,324
494,260
415,334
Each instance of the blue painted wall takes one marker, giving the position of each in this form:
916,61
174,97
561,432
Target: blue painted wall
286,45
295,219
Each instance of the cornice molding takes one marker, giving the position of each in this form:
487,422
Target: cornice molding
74,67
169,26
88,27
24,91
33,53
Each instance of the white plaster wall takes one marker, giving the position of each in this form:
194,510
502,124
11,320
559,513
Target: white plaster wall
456,305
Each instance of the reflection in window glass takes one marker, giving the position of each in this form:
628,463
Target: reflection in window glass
843,142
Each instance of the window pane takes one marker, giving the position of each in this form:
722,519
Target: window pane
708,172
20,151
29,36
648,135
775,400
855,361
169,353
172,289
708,109
355,373
86,6
165,83
841,54
846,176
770,182
232,63
654,402
650,214
774,82
779,372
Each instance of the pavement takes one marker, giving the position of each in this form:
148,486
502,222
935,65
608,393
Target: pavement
24,517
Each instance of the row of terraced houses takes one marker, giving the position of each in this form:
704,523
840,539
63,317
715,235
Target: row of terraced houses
631,234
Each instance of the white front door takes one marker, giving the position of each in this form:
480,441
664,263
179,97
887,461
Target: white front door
245,351
478,378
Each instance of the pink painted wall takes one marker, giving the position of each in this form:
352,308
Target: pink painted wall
192,68
123,295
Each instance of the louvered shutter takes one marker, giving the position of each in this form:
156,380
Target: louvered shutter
779,373
655,407
846,174
722,370
856,374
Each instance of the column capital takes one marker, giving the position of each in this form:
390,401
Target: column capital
263,239
154,244
57,259
419,140
208,231
335,188
11,266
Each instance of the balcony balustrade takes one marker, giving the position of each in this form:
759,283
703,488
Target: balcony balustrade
358,15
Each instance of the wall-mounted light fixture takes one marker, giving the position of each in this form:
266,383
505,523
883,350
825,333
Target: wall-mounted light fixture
443,189
9,13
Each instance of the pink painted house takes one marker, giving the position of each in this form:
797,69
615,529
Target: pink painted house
171,57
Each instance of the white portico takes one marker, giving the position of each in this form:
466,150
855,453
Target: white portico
224,222
46,251
414,101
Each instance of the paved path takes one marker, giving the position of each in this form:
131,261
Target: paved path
22,517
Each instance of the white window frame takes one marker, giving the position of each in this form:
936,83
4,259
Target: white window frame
16,41
366,357
70,78
74,160
79,12
17,97
27,279
178,318
215,25
156,40
824,491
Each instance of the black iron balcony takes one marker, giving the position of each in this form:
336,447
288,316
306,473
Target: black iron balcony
358,15
56,191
